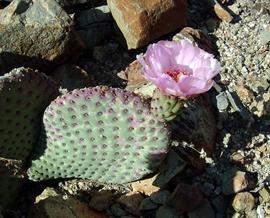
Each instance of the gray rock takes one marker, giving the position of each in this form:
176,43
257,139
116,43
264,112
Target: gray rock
94,25
220,204
148,204
117,210
165,211
37,34
160,197
70,3
172,165
204,210
222,101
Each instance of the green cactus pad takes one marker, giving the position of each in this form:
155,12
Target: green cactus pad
104,134
24,95
165,107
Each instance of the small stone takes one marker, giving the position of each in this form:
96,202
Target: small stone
243,202
185,198
142,21
238,158
148,204
251,214
160,197
145,186
203,210
234,181
101,200
131,201
222,101
265,194
220,11
47,192
245,95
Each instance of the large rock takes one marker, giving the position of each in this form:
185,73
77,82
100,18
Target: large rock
143,21
35,33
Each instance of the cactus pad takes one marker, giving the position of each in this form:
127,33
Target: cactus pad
165,107
104,134
24,95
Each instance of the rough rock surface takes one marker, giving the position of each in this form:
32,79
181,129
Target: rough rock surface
51,204
143,21
35,33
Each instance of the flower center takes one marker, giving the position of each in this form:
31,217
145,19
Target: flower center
175,74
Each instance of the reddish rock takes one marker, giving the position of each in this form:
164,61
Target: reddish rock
185,198
143,21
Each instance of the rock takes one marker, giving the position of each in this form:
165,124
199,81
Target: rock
221,12
142,21
168,212
238,158
11,182
203,210
243,202
234,181
72,3
148,204
212,24
94,25
145,186
265,194
252,214
196,126
37,34
117,210
52,204
160,197
222,101
195,36
102,52
171,166
220,204
71,77
244,94
131,201
101,200
185,198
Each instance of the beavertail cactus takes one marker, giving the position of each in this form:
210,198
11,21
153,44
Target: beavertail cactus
103,134
165,107
24,95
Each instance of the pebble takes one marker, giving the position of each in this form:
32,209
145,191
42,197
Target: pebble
243,202
265,194
234,181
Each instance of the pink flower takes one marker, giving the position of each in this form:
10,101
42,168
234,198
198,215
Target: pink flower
179,68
